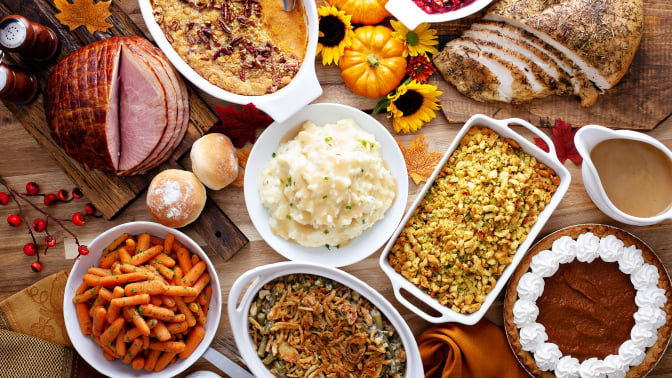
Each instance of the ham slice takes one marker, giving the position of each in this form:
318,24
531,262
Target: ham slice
117,105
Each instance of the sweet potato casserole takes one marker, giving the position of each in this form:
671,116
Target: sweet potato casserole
248,47
467,228
310,326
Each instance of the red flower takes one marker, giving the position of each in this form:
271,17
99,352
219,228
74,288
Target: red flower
419,68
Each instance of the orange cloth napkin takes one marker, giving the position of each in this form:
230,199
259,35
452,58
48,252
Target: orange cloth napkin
478,351
33,339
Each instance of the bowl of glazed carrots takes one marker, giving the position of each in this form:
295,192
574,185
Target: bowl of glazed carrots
145,301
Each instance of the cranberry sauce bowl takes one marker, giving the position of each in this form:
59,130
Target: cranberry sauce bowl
414,12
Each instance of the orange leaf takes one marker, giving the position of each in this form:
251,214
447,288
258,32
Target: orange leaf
84,13
420,163
243,155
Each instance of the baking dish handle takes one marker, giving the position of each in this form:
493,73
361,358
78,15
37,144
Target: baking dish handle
303,89
397,286
535,130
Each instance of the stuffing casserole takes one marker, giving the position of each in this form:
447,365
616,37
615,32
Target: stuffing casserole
468,227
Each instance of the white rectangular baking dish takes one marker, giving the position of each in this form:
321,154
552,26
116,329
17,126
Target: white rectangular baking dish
501,127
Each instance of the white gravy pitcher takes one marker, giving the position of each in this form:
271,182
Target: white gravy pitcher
586,138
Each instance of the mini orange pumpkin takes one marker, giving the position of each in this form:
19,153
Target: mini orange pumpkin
374,64
367,12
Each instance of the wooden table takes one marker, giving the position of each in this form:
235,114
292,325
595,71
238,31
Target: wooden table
22,160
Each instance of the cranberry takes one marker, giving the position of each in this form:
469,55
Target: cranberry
32,188
62,195
4,198
30,249
83,250
14,220
49,199
77,193
78,218
39,224
90,209
37,267
50,241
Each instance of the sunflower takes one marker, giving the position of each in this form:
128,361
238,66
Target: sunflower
412,105
422,40
335,34
419,68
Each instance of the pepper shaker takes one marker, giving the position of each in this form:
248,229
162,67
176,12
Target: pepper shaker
30,39
16,85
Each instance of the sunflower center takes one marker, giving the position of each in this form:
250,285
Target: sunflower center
332,31
412,38
409,103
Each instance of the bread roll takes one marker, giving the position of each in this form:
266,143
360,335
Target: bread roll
214,160
175,198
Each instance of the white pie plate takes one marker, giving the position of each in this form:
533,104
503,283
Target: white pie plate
503,129
371,239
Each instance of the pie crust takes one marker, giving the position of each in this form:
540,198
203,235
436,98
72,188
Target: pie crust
653,354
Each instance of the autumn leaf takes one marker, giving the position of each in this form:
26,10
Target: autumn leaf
563,141
243,155
84,13
239,127
420,163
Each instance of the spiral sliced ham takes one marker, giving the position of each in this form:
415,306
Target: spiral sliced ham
117,105
566,47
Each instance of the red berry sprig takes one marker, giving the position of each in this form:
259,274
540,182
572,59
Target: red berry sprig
41,224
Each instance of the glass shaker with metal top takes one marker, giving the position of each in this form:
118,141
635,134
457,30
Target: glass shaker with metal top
29,39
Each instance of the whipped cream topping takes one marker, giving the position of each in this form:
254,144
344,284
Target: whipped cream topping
649,299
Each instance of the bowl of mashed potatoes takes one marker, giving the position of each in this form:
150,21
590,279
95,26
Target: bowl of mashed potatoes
329,185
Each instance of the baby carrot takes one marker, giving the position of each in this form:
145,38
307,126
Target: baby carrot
184,309
107,260
164,360
124,255
160,313
198,312
99,316
112,331
167,346
161,332
138,363
85,296
119,343
153,287
195,337
200,284
120,279
151,359
183,259
145,255
168,243
130,245
115,243
194,273
180,291
132,351
177,327
84,318
98,271
143,242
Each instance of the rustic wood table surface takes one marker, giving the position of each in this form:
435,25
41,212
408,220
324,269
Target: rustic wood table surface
22,160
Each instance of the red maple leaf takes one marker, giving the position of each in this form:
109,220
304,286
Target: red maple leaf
239,127
563,141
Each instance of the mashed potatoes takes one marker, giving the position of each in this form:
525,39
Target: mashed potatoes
327,185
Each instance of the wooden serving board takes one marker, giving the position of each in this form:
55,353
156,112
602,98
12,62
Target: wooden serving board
108,192
640,101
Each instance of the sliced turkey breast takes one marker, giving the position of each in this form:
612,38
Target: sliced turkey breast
583,87
600,37
544,67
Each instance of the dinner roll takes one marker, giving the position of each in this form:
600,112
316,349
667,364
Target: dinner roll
214,160
175,198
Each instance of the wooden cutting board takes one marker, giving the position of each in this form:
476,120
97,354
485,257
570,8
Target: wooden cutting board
640,101
108,192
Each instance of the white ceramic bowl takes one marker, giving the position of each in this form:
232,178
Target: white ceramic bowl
88,349
586,138
502,128
371,239
280,105
411,15
244,292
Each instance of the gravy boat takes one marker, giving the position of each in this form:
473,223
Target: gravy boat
586,138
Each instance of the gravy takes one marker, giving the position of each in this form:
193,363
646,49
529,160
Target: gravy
636,176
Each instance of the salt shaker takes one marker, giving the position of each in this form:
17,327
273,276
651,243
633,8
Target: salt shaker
16,85
30,39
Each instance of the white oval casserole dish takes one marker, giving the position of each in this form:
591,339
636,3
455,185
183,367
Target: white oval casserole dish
244,292
501,127
280,105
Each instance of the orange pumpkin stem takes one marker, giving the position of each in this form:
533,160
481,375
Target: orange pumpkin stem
372,61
